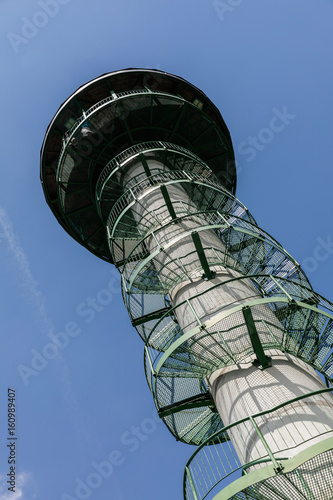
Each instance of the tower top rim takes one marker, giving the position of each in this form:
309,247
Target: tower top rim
215,149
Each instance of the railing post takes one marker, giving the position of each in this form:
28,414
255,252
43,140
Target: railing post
277,466
195,496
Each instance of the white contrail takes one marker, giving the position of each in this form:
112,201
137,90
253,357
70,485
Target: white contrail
26,278
37,298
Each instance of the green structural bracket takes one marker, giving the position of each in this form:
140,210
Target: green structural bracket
150,316
262,360
145,164
168,202
202,257
185,404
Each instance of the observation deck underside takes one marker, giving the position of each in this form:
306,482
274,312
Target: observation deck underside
110,114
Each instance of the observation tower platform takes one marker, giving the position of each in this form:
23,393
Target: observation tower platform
138,167
110,114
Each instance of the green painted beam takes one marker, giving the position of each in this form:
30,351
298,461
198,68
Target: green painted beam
202,257
145,164
180,116
168,202
193,402
263,360
151,316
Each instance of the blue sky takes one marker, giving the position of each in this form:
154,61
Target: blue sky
258,61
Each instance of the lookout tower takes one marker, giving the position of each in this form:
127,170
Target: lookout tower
138,167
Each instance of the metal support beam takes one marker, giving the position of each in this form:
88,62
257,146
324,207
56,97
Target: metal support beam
149,317
168,202
145,164
262,361
193,402
201,254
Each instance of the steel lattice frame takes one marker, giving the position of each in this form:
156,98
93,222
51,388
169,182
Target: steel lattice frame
97,138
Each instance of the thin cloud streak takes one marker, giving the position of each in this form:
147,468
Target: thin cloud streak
21,481
36,297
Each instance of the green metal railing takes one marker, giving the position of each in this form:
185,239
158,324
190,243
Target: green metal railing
134,152
216,462
133,268
106,102
129,198
176,362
